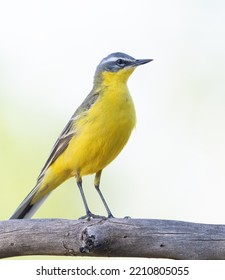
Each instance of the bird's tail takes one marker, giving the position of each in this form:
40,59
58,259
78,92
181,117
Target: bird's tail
27,209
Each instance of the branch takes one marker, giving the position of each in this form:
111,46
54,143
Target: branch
112,238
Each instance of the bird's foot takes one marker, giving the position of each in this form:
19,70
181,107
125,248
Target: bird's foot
90,216
110,215
127,217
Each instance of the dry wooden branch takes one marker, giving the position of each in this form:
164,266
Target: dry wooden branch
112,238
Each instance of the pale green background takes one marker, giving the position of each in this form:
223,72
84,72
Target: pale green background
173,166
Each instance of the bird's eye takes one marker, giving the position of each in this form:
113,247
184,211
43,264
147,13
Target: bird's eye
120,62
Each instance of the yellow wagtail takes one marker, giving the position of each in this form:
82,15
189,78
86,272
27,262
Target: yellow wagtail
93,137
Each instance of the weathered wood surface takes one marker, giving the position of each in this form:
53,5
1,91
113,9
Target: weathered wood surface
112,238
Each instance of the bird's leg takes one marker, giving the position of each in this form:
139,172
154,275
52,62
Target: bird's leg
89,214
97,183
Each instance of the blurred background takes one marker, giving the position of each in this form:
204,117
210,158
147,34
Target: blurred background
173,166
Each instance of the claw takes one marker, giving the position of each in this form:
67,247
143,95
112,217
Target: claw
110,216
90,216
127,217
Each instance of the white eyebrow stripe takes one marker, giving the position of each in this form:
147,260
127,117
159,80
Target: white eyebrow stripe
114,58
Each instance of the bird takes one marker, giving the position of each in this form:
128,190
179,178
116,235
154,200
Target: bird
94,136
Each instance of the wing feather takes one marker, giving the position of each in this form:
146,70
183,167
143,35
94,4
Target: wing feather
26,209
68,132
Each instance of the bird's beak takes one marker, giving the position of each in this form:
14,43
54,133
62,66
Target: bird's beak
138,62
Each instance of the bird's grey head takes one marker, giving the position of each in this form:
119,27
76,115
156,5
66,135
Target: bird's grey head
117,61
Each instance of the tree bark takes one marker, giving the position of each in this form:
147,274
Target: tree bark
112,238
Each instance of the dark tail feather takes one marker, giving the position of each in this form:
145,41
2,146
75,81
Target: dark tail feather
21,213
26,209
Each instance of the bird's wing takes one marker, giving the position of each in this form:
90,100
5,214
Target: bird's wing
68,132
60,145
26,209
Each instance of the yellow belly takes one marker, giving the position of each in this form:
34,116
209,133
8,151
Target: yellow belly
100,136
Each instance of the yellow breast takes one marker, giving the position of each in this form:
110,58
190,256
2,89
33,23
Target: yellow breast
103,132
